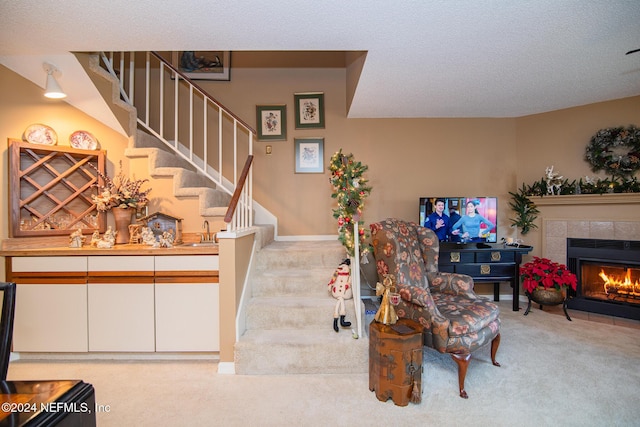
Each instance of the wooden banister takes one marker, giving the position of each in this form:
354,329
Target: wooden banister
240,185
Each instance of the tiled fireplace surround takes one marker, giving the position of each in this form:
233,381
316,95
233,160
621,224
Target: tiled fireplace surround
593,216
589,217
556,231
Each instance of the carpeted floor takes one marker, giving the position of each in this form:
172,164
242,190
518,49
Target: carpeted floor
554,372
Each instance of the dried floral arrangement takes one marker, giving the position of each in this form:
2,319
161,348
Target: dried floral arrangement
120,192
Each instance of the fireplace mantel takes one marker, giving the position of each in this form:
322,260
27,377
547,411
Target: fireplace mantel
587,199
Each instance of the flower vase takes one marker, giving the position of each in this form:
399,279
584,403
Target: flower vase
122,217
548,296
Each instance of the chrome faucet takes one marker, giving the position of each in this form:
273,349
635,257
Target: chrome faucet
206,237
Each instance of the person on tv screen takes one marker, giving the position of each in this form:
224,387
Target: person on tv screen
438,221
470,223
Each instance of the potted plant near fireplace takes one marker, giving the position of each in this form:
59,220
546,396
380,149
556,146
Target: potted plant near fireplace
545,282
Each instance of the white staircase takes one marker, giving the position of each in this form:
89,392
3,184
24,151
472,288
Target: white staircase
290,316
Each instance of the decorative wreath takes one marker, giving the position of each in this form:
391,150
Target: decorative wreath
615,150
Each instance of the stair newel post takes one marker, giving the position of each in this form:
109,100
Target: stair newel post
355,278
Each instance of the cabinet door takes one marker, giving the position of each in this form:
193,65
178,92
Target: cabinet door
121,316
51,304
51,317
187,316
187,303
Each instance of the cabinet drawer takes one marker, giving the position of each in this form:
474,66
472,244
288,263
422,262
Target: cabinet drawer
187,263
121,263
447,268
33,264
488,270
455,257
495,256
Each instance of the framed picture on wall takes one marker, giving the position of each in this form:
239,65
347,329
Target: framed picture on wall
309,154
309,110
203,64
271,121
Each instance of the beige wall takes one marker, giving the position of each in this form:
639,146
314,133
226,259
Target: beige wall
22,104
407,158
560,138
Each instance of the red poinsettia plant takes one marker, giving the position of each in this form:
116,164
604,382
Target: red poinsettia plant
547,274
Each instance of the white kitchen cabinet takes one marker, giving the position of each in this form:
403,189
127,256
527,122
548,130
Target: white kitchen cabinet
121,317
51,304
121,303
187,303
114,303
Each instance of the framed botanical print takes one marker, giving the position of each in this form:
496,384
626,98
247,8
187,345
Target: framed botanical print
203,64
309,110
309,154
271,121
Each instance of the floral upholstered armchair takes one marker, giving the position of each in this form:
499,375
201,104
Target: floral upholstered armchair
455,319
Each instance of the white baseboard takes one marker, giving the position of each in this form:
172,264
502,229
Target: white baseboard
227,368
306,238
115,356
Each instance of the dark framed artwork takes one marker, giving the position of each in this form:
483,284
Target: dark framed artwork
271,121
203,64
309,110
309,154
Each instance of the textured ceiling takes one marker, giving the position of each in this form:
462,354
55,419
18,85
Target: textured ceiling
425,58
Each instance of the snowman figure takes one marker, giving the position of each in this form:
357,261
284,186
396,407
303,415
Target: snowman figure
340,289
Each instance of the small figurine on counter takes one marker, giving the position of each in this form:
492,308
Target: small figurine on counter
134,234
108,240
166,240
95,238
76,239
148,238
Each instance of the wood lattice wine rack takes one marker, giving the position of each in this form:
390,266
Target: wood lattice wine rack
50,189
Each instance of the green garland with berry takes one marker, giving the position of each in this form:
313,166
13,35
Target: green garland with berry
350,190
615,151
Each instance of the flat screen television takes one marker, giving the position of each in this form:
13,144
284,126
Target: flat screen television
478,208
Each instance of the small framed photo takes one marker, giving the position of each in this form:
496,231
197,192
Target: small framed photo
309,154
203,64
271,121
309,110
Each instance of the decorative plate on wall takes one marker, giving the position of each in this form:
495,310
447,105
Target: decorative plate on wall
83,140
40,134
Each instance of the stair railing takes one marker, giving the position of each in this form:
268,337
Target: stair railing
189,121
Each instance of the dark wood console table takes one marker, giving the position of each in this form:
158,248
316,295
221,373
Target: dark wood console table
47,403
486,263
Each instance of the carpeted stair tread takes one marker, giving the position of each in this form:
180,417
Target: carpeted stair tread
289,282
293,351
294,312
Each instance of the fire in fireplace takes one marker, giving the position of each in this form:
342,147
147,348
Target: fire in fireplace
608,274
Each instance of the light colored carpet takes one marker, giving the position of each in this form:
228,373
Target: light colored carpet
554,373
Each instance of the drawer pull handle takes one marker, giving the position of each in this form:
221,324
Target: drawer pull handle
495,256
455,256
485,269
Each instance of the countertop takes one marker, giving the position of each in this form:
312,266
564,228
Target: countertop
51,246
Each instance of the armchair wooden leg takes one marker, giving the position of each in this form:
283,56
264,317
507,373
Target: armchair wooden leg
463,363
495,343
